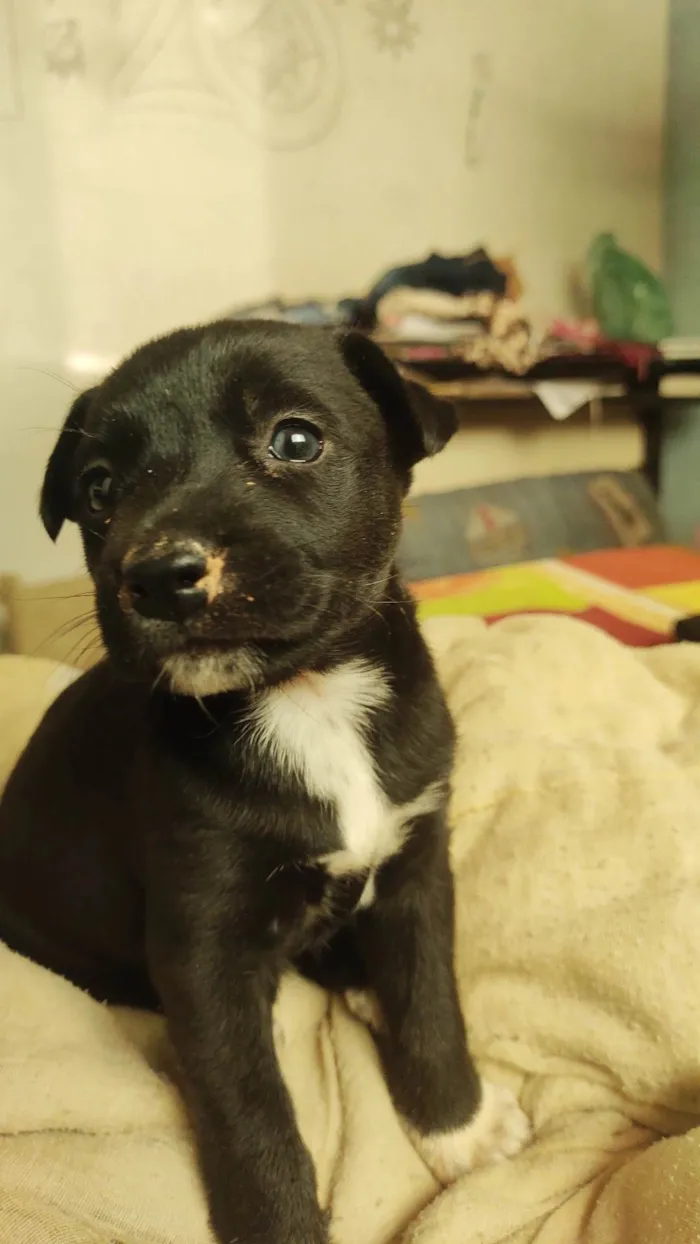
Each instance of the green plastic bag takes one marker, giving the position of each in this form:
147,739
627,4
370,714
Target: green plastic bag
630,301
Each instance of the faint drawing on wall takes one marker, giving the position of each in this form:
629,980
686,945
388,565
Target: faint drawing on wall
273,64
393,28
64,53
481,82
9,83
282,74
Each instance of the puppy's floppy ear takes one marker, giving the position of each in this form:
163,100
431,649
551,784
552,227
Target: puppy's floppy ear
419,424
55,503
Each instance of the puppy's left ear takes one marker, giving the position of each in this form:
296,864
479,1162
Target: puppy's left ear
419,424
56,492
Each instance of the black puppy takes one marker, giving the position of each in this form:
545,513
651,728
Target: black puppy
257,775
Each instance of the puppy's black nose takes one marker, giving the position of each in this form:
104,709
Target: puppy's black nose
167,586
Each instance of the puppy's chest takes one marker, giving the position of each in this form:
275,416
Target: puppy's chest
316,729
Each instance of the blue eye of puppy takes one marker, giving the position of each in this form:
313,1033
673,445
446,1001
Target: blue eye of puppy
98,488
296,441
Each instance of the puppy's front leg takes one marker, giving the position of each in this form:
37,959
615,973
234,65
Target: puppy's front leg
455,1121
218,1000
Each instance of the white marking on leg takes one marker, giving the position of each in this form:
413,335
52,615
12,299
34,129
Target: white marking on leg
369,893
364,1005
497,1132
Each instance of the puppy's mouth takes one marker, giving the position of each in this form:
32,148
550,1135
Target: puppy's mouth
212,670
206,667
237,644
199,647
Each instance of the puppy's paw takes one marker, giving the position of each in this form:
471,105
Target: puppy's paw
365,1007
498,1131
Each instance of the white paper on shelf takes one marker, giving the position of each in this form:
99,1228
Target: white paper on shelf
562,398
680,348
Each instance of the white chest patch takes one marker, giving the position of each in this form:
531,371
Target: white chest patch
315,727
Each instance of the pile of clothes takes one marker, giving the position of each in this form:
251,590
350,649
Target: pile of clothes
460,307
466,311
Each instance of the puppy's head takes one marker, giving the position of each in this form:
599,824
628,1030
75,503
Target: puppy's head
238,488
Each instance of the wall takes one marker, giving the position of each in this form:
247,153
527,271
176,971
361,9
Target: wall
681,463
162,160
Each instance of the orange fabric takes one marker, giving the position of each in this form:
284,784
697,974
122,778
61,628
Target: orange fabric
635,568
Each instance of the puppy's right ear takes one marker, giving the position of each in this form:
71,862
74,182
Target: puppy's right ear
55,503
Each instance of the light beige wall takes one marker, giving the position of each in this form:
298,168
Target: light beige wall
161,160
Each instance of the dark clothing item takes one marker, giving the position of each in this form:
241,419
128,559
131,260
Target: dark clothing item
688,630
451,274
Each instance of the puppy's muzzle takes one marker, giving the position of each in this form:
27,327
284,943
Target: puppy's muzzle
173,585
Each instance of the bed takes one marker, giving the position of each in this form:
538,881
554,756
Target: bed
636,595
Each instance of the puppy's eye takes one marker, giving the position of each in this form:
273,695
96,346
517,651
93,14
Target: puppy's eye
98,486
296,441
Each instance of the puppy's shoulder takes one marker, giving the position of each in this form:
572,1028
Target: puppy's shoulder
91,728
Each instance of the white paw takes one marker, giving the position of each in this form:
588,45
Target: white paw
365,1007
498,1131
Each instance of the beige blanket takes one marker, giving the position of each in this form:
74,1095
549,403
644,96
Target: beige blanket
577,857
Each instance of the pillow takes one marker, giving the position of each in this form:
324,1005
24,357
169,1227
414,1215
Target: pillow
520,520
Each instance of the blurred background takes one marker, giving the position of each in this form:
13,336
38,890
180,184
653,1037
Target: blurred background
169,161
